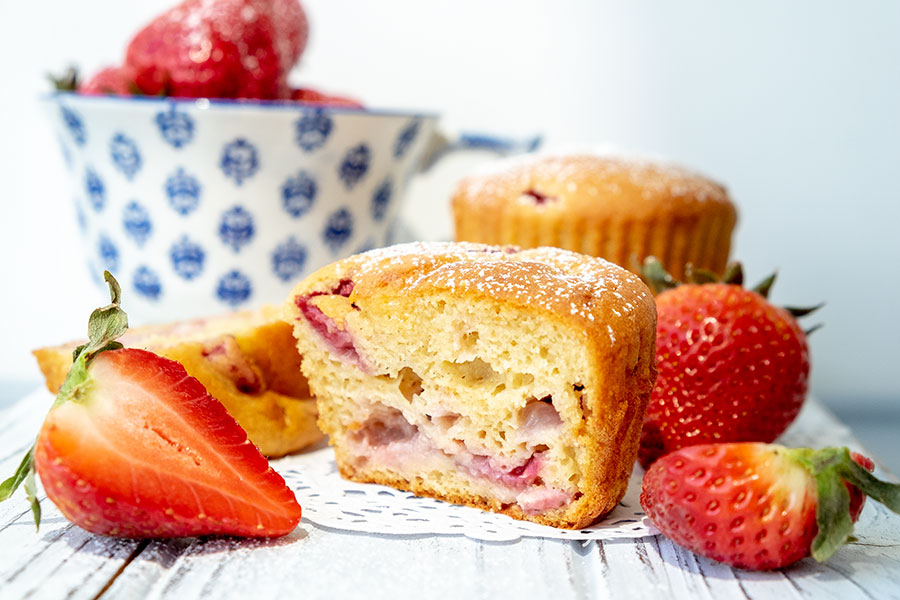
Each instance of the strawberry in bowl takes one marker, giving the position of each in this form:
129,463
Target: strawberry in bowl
221,49
206,183
226,49
316,97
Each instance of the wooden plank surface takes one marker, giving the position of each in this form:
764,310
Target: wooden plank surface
62,561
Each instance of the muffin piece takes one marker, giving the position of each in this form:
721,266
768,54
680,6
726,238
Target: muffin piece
247,360
622,210
513,381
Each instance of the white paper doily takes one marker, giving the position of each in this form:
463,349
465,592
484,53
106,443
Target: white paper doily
331,501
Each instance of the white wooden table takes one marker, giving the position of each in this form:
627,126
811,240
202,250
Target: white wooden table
63,561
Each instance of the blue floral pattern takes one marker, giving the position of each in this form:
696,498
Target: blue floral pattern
187,258
137,223
109,253
288,259
355,164
240,160
313,129
180,207
67,154
183,191
74,124
298,194
147,283
405,138
237,228
176,127
81,217
381,199
96,191
338,229
125,155
234,288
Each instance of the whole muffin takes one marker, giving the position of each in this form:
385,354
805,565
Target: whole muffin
620,209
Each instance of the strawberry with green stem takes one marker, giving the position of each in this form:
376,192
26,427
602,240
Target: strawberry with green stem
115,81
732,367
134,447
219,49
761,506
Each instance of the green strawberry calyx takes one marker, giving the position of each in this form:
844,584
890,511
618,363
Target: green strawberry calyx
105,325
831,468
67,81
660,280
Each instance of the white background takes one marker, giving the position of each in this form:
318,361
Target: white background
793,105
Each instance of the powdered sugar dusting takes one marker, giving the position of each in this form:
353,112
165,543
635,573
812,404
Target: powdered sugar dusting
588,177
548,279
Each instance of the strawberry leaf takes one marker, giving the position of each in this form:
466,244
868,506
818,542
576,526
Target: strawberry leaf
105,325
701,276
8,487
813,329
24,474
108,322
882,491
832,467
77,351
656,275
67,82
802,311
734,274
832,514
763,287
31,494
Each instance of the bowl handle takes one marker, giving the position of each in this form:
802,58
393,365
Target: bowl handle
442,144
426,219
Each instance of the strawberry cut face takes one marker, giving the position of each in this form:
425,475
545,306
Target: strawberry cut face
142,450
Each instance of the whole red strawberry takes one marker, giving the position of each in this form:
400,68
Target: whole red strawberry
731,366
293,29
316,97
134,447
219,49
109,80
761,506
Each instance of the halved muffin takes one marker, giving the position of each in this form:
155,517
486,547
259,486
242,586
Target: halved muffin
514,381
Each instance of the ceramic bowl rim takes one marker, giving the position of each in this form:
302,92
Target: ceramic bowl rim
205,104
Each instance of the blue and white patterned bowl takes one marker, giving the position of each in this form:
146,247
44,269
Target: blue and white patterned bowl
202,206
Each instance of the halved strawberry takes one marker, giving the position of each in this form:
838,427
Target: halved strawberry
761,506
134,447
